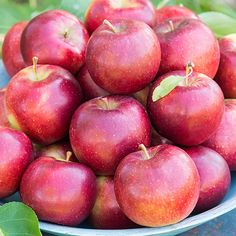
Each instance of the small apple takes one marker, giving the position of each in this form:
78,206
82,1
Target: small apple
173,12
106,129
123,56
56,37
41,100
191,112
59,191
89,87
106,213
214,177
16,154
3,114
223,140
157,186
188,40
226,76
11,52
99,10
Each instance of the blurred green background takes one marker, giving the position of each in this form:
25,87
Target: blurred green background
12,11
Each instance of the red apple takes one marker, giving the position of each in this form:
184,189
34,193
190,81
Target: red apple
226,76
3,114
56,37
106,213
214,177
173,12
99,10
11,53
188,40
58,191
157,139
16,154
41,102
123,57
89,87
158,186
106,129
223,140
191,112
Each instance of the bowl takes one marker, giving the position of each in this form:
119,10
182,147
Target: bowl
228,204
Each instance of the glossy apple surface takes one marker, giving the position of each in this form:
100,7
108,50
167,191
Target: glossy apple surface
16,154
3,114
191,112
157,189
56,37
60,192
11,52
106,129
99,10
214,177
41,104
132,54
226,75
173,12
106,213
188,40
223,140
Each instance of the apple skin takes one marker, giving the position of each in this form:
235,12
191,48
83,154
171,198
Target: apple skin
11,52
188,115
226,75
191,40
56,37
214,177
43,108
3,114
99,10
173,12
60,192
158,191
223,140
106,129
89,87
16,154
106,213
129,67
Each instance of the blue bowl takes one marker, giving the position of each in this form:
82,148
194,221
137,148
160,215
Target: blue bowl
228,204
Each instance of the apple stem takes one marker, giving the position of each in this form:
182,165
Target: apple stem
171,25
189,71
109,24
144,149
68,155
35,61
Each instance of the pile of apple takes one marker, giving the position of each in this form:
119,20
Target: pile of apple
81,145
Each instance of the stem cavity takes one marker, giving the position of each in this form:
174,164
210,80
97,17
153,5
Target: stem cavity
110,25
189,71
35,61
144,149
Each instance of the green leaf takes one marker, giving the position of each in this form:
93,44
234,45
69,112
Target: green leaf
166,86
18,219
220,23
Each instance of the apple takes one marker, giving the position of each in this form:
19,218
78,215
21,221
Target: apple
3,114
191,112
173,12
157,186
214,177
185,40
223,140
106,129
157,139
16,154
56,37
89,87
41,100
123,56
106,213
11,52
59,191
226,75
99,10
